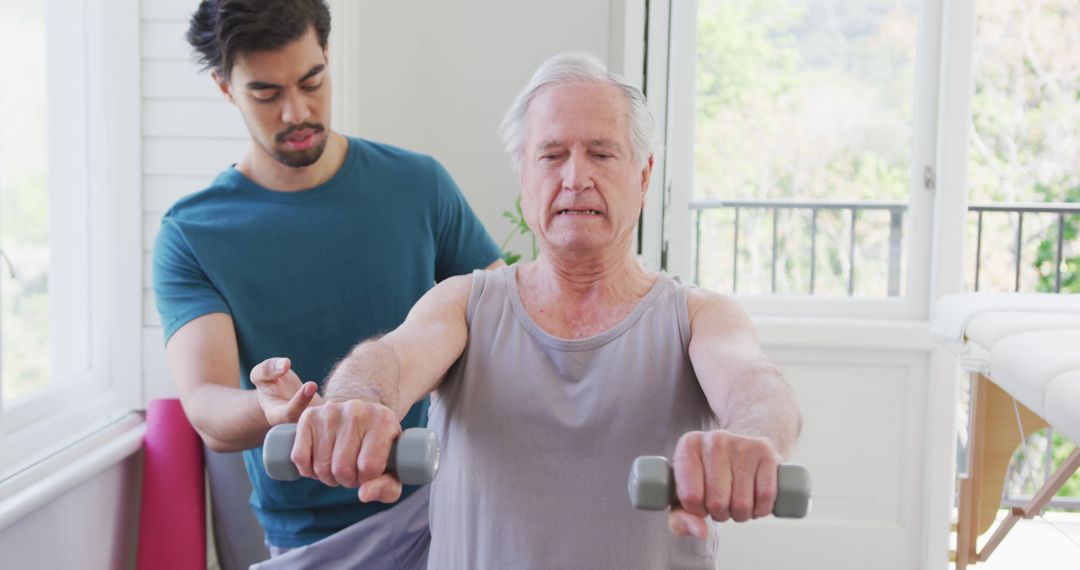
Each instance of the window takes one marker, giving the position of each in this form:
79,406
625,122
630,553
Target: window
69,223
810,136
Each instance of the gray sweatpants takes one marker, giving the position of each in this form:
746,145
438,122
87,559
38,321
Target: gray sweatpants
395,539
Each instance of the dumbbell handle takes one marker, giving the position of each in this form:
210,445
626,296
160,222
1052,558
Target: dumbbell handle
414,456
652,487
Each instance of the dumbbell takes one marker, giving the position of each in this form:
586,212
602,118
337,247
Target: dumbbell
652,487
414,456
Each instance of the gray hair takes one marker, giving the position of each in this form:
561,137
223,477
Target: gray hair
579,67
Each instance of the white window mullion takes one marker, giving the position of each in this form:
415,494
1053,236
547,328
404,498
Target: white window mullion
950,200
116,198
69,229
680,35
922,182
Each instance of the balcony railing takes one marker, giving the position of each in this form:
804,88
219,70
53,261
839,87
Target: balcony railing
1059,209
896,211
896,224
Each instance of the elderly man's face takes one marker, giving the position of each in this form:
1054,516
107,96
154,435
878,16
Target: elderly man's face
582,187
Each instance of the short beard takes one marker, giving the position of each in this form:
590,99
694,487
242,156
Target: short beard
303,158
297,159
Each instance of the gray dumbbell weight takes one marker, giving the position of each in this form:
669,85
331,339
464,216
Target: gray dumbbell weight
414,457
652,487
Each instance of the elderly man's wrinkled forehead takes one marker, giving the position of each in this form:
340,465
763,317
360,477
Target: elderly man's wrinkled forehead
582,104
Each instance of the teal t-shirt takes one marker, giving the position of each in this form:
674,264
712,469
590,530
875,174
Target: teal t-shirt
308,275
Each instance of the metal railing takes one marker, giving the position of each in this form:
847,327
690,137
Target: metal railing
896,228
896,210
1060,208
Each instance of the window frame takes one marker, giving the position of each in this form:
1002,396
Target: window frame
677,38
95,173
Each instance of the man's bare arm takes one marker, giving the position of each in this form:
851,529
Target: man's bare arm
346,441
746,391
730,473
205,363
403,366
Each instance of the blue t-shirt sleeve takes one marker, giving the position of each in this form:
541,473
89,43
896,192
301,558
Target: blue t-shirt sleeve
463,243
182,290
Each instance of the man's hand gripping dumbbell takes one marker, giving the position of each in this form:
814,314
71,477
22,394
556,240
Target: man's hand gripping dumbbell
720,475
385,457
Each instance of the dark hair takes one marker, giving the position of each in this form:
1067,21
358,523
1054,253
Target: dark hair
221,29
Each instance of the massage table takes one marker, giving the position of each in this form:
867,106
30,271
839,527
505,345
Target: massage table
1023,352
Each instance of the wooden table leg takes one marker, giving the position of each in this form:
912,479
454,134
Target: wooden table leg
994,437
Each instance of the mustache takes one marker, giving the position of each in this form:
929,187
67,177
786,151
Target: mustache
280,137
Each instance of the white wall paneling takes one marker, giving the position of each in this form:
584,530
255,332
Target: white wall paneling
92,526
191,118
190,156
862,440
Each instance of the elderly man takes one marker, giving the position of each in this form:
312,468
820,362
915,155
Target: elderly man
552,376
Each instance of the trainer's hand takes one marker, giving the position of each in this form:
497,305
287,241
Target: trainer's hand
348,444
721,475
282,395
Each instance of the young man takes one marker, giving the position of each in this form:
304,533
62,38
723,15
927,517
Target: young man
311,241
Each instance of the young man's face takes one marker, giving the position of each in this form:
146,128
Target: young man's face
284,97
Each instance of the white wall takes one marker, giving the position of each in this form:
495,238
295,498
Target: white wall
92,526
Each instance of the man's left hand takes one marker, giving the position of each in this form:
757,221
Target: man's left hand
282,395
721,475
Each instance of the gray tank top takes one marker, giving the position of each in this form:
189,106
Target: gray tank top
538,434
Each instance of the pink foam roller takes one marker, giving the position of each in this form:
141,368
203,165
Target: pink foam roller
172,515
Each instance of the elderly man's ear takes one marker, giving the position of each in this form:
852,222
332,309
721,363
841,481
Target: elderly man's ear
646,174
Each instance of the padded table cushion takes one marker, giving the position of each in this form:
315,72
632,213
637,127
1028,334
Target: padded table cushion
1024,364
1028,344
1063,404
952,314
971,324
987,329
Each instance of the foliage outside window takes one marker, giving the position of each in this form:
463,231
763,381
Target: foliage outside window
808,100
24,233
1025,138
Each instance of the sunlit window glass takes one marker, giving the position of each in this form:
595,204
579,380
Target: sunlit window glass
24,233
803,143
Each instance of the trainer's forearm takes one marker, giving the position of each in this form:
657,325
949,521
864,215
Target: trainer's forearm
228,419
761,403
372,373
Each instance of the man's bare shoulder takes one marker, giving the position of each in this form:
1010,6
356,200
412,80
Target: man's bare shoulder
710,304
454,290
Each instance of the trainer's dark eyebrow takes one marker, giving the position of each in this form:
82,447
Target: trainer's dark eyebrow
260,85
314,71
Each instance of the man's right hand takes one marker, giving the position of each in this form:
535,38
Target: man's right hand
282,395
348,444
